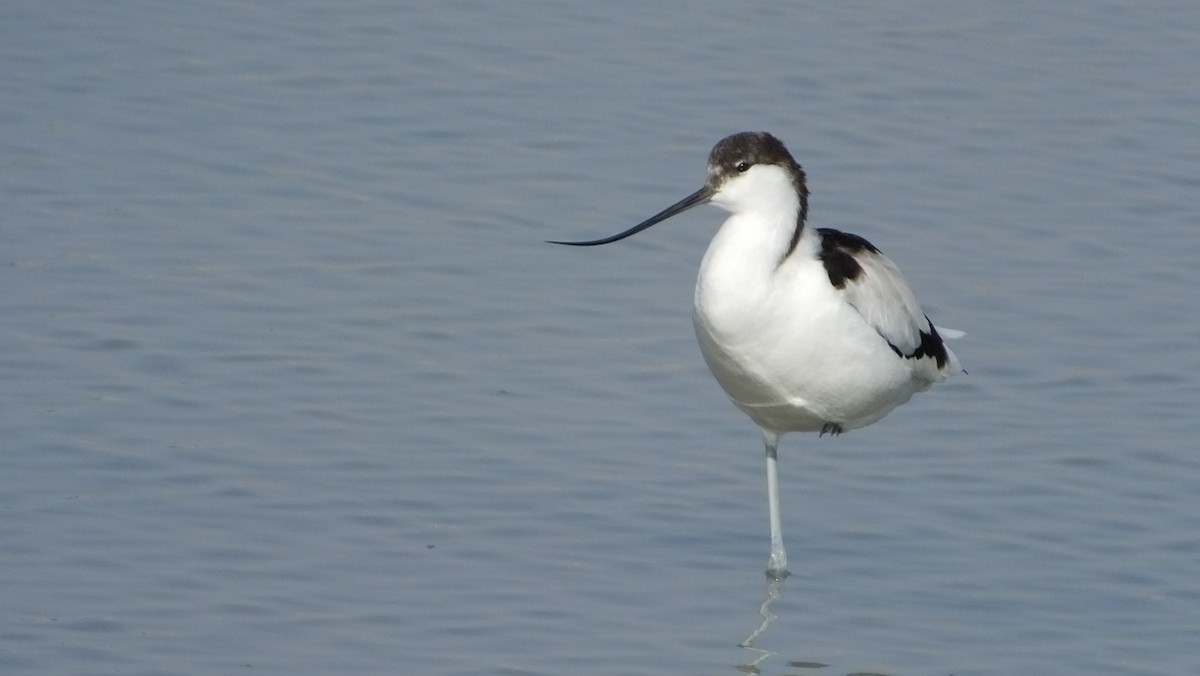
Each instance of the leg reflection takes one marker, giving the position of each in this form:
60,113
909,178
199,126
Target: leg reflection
774,591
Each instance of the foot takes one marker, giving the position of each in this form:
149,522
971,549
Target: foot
777,564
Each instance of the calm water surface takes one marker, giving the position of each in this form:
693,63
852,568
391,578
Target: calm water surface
292,385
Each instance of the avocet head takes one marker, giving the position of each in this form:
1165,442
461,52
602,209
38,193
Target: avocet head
746,171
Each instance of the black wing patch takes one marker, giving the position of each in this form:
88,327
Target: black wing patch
837,253
931,346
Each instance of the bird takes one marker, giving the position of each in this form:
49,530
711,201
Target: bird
805,329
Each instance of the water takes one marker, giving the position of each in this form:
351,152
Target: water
292,385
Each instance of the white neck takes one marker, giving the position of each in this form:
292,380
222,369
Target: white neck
752,242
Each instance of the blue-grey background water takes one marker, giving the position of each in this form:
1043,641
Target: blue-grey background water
292,385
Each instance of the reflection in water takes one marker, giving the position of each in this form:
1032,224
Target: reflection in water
774,590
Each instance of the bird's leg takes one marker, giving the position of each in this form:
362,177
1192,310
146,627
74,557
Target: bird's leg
777,564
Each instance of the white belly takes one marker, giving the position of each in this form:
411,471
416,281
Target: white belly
793,355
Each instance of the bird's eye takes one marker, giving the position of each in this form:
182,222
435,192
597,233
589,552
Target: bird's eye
742,167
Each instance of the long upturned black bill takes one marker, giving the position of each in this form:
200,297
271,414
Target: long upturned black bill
697,198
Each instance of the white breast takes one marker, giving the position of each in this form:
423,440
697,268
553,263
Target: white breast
783,342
